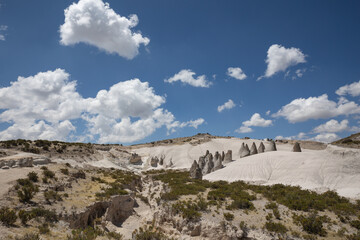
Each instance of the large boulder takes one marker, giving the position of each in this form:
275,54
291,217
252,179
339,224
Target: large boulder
253,149
244,150
195,171
296,147
228,156
261,148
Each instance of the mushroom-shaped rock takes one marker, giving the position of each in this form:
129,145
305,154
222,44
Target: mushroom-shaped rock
296,147
253,149
272,146
228,156
261,148
195,171
244,150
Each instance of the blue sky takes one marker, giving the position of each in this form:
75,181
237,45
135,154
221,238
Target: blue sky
288,54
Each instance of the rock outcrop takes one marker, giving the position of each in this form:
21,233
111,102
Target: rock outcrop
296,147
209,164
261,148
154,161
201,162
244,150
272,146
135,159
116,210
228,156
253,149
195,171
217,162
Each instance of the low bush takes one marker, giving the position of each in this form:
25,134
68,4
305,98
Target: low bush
312,223
24,216
48,173
88,233
7,216
275,227
64,171
33,176
29,236
44,228
229,216
52,196
148,233
27,191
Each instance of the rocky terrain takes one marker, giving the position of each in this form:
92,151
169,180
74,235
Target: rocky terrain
199,187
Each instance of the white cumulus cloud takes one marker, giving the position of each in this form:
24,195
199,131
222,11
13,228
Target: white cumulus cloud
352,89
186,76
332,126
326,137
255,121
43,106
3,28
228,105
236,73
95,23
303,109
280,58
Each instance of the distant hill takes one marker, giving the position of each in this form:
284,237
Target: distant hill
353,141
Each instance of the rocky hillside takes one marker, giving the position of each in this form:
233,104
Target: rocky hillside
352,141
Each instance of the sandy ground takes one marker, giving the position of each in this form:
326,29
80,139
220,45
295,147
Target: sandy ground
9,176
334,168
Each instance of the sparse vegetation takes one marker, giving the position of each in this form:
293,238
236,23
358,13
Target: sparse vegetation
312,223
148,233
7,216
228,216
33,176
275,227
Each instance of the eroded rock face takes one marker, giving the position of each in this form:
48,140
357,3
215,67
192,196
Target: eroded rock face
296,147
195,171
116,210
272,146
222,156
253,149
209,164
120,208
244,150
154,161
261,148
201,162
228,156
135,159
23,162
217,162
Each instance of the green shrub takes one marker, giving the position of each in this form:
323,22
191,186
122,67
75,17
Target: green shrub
24,216
49,215
27,192
79,174
29,236
355,224
7,216
64,171
188,210
45,180
115,236
148,233
24,182
88,233
229,216
275,227
48,173
312,223
44,228
52,196
33,176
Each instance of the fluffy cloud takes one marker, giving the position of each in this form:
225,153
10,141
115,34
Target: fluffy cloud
352,89
43,106
243,129
303,109
228,105
236,73
3,28
280,58
300,136
95,23
326,137
332,126
186,76
255,121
